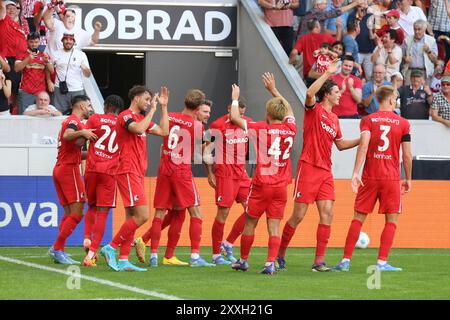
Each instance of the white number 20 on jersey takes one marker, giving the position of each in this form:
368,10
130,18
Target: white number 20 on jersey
111,147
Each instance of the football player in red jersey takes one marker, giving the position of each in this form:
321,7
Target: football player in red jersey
273,172
67,175
101,186
382,134
314,178
132,127
229,179
175,186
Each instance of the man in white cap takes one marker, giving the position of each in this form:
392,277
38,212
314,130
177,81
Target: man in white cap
71,65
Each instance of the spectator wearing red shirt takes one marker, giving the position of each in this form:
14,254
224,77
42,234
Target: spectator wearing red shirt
310,42
392,17
13,29
351,90
33,65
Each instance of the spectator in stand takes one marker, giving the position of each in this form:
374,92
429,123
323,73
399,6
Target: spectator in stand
392,17
408,15
365,39
397,82
440,109
27,13
38,11
369,99
279,16
13,30
420,52
350,87
57,28
351,46
440,23
378,8
71,66
324,55
5,93
415,99
388,53
337,51
310,42
33,66
338,48
42,107
334,5
435,84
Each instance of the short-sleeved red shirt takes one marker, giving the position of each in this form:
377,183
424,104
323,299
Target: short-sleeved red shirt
68,152
347,106
184,139
387,130
14,36
320,130
33,75
132,147
274,145
103,154
231,145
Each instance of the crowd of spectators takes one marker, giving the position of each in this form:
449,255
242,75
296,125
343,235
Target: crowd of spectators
404,43
41,52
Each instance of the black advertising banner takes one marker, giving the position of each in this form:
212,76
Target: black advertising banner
147,25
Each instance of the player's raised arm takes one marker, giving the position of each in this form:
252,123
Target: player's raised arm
360,157
310,100
235,116
407,164
163,100
142,126
269,82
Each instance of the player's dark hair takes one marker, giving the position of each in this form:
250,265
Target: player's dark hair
325,89
79,98
208,103
138,90
115,103
194,98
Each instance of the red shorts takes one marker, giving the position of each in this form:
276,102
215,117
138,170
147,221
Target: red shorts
388,192
313,183
263,198
101,189
175,192
230,190
69,184
132,189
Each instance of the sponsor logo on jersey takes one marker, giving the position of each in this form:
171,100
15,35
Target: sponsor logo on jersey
181,121
328,129
106,120
237,140
385,119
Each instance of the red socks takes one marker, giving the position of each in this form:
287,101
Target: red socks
217,236
288,233
128,227
173,235
246,245
237,229
89,221
274,245
168,219
323,234
195,234
352,238
155,234
125,247
98,230
147,235
387,238
64,218
67,228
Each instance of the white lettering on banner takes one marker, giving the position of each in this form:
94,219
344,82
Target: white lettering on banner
134,24
129,24
45,219
161,27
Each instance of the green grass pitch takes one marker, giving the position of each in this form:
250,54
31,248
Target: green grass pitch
425,276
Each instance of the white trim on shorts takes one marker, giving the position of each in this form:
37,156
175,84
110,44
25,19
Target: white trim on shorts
297,179
76,186
131,193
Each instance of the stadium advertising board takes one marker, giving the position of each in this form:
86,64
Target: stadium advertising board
30,213
147,25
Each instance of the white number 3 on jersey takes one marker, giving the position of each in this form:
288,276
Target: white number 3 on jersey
384,137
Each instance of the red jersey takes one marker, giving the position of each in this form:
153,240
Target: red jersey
320,129
274,144
347,106
33,75
132,147
399,30
179,146
231,145
15,36
68,152
387,130
103,155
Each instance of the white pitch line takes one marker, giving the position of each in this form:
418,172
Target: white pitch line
93,279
